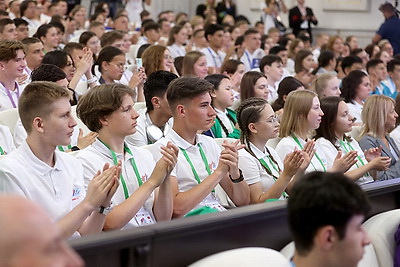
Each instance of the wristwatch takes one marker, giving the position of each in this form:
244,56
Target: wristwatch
105,210
237,180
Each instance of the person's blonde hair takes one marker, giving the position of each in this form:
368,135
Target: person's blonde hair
188,62
153,58
297,106
320,83
374,114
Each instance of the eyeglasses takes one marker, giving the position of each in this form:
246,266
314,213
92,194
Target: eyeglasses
121,66
272,119
168,57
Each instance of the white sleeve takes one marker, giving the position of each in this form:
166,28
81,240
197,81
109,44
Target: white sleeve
328,150
284,147
250,167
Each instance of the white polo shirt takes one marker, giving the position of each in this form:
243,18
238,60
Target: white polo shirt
9,101
214,59
253,171
96,155
251,61
183,171
288,144
330,153
6,140
140,137
57,189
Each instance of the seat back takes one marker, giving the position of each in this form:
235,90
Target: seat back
9,118
253,256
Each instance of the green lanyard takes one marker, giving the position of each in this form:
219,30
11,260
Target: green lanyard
62,149
351,149
276,168
135,169
204,158
316,155
2,151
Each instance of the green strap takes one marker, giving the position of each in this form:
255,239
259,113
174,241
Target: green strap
352,149
2,151
316,155
135,169
262,161
203,157
61,148
217,128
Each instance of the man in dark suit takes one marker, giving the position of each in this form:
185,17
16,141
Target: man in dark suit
301,17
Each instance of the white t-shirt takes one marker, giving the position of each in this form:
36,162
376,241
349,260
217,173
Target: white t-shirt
5,101
140,137
57,189
288,144
214,59
183,171
6,140
253,171
96,155
252,61
330,153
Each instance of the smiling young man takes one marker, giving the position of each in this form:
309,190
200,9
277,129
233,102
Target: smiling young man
326,212
51,178
201,164
12,65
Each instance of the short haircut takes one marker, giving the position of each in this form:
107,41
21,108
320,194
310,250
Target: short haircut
20,21
24,5
249,79
356,51
212,29
42,30
30,40
156,85
70,47
101,101
144,13
8,49
348,61
107,54
4,22
56,57
151,25
392,64
268,60
120,16
37,101
325,57
48,72
350,85
372,63
184,89
320,199
276,49
110,37
297,106
250,31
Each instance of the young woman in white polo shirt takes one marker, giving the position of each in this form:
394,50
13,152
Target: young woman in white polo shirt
301,117
267,175
144,195
331,137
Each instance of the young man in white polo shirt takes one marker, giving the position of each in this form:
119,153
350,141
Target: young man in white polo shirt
12,65
51,178
201,164
145,195
214,34
253,52
155,120
272,67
